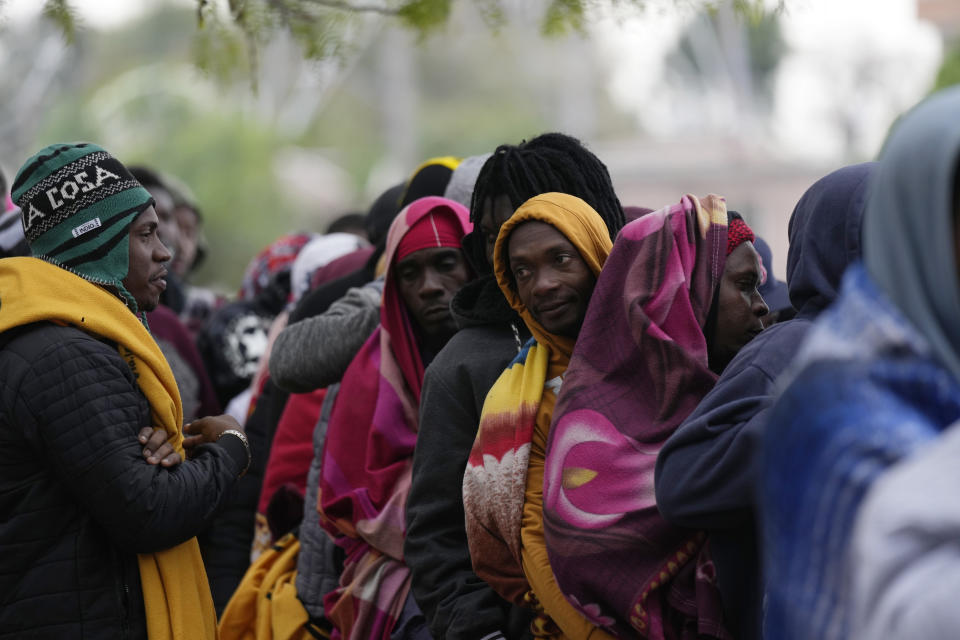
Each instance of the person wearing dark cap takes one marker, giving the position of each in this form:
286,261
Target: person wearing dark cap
105,540
705,471
429,179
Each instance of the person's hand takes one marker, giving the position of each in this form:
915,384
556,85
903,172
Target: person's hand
156,449
208,429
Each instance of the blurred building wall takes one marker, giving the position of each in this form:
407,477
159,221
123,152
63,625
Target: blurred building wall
764,189
945,14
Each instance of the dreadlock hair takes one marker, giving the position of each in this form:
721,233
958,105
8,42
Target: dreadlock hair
549,162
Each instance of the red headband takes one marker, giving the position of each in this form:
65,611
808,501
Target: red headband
738,232
438,228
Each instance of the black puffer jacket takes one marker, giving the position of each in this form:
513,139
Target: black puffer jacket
77,499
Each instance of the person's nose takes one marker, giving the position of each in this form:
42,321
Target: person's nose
161,253
545,282
432,286
759,305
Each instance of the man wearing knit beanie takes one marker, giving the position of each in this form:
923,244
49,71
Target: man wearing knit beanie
105,540
77,204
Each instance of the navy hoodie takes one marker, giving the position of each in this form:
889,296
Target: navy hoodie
705,471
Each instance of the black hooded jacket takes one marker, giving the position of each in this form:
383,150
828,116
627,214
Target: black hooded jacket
705,471
456,603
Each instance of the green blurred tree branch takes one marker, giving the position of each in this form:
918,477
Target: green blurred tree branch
949,72
230,32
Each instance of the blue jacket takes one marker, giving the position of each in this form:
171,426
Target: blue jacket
868,390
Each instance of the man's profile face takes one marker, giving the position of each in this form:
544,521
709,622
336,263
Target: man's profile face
147,271
741,308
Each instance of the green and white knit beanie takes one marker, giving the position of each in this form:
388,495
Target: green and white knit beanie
77,203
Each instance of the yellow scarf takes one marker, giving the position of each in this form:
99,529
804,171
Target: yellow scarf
176,594
497,496
265,605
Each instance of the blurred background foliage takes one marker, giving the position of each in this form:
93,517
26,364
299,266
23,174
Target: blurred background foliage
282,114
152,95
949,73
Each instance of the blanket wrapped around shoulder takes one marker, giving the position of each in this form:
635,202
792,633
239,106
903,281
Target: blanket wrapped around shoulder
638,369
368,452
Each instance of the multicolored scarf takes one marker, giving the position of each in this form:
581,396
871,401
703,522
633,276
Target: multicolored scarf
494,482
176,595
368,453
638,369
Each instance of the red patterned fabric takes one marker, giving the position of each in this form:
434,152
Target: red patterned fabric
368,453
292,448
639,367
738,232
276,257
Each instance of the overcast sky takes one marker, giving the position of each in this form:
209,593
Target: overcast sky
863,60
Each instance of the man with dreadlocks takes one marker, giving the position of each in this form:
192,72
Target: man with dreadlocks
456,603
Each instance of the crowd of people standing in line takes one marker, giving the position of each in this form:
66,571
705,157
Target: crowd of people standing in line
498,405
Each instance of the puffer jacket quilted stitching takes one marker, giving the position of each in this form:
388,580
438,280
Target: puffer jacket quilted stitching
77,499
